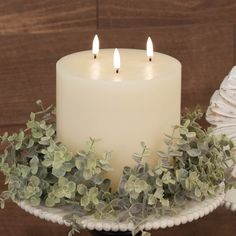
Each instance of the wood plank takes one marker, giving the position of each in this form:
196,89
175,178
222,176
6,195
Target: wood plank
16,222
27,65
138,13
46,16
10,129
234,44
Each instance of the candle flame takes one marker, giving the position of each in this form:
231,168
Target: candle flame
149,47
116,60
95,47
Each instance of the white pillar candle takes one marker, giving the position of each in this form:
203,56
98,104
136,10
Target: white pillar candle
140,103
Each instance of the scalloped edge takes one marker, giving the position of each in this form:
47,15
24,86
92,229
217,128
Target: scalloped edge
193,211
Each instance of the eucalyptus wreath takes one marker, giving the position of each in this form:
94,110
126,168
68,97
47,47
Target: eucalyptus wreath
41,170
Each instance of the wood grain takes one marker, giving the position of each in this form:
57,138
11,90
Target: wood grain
234,44
149,13
27,65
27,16
15,221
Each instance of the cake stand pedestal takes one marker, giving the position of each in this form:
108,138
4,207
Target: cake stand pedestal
192,211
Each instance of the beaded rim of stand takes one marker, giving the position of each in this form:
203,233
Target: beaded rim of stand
230,203
193,211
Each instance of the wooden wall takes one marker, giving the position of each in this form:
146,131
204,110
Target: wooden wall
35,34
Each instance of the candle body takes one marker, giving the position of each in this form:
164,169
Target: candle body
141,103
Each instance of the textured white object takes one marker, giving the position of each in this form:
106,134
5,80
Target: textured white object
192,211
221,114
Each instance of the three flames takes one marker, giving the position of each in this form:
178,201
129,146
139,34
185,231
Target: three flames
116,55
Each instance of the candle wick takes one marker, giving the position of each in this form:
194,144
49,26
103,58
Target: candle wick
117,71
95,56
150,59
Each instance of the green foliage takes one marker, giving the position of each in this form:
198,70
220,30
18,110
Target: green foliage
41,170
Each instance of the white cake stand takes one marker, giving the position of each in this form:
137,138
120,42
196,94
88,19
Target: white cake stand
192,211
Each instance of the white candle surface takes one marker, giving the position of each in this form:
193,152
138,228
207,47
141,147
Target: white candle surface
140,103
